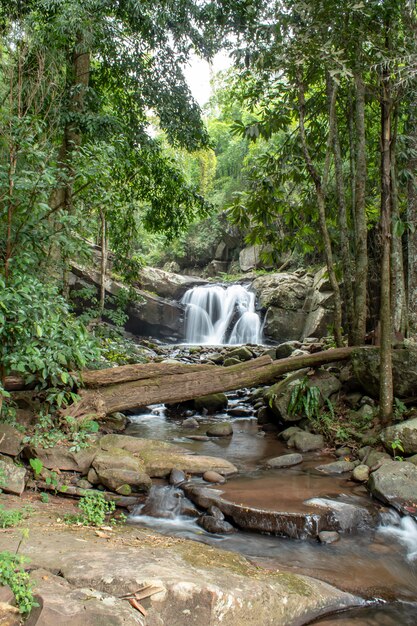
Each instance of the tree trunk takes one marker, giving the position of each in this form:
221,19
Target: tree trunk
343,227
361,232
320,184
412,223
103,264
180,387
386,393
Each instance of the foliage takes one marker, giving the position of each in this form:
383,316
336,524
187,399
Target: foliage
13,574
39,338
94,509
50,431
304,400
37,466
397,444
11,517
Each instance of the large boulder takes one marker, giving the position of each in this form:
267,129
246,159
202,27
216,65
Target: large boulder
250,258
306,442
11,440
62,458
319,306
404,364
395,483
405,432
212,402
166,284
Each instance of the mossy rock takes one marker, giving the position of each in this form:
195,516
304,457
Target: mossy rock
212,402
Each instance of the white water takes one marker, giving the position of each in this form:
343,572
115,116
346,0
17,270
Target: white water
217,315
403,529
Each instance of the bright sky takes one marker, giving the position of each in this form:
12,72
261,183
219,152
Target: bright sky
198,74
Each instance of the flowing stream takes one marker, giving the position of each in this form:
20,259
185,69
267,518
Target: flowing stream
379,563
218,315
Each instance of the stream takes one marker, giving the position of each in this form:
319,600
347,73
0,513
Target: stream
379,563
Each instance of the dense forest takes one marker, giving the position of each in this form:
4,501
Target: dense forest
307,146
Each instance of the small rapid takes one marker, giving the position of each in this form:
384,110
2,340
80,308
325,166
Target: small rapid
403,530
217,315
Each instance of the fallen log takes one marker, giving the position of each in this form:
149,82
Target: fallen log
172,388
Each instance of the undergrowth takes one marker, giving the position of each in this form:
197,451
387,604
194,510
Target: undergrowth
13,574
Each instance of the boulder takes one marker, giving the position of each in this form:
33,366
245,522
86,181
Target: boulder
412,459
290,432
242,353
12,477
11,440
286,349
177,477
117,467
220,429
282,324
115,421
190,423
360,474
231,361
286,460
167,284
215,526
318,306
405,432
306,442
212,402
61,458
375,457
395,483
250,258
347,516
338,467
404,363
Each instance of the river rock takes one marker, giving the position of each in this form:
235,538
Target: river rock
190,422
215,526
306,442
328,536
290,432
213,477
375,457
220,429
117,467
11,440
360,474
338,467
346,516
404,363
242,353
395,483
406,432
212,403
263,416
286,460
13,478
115,421
177,477
124,490
284,350
231,361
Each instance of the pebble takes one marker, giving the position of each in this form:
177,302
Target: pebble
213,477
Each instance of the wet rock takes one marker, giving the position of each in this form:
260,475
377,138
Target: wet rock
290,432
215,512
220,429
13,477
263,416
328,536
344,516
177,477
231,361
240,411
212,402
198,437
115,421
406,432
306,442
213,477
395,483
338,467
190,423
215,526
242,353
361,473
11,440
286,460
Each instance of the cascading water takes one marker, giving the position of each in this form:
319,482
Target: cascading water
217,315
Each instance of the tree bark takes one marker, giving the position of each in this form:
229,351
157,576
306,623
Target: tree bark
103,264
320,185
361,231
179,387
412,223
386,392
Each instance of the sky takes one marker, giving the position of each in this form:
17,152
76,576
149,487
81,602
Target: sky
199,72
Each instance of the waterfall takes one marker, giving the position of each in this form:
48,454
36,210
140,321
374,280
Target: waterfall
218,315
